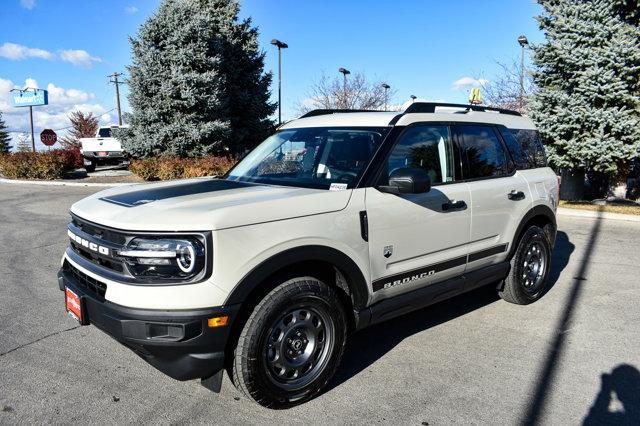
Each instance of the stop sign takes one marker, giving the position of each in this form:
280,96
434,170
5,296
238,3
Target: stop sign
48,137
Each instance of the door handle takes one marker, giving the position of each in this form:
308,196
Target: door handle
454,205
515,195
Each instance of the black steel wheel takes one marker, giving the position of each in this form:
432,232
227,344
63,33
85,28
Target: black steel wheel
527,279
291,344
534,267
297,346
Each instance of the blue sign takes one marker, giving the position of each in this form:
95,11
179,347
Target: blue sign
29,97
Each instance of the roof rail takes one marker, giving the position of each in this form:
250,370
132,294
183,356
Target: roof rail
430,107
317,112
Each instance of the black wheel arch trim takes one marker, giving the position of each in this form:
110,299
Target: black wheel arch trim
539,210
348,268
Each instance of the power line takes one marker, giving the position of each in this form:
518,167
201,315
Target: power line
55,130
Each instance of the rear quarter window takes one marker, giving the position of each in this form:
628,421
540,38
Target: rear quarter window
525,147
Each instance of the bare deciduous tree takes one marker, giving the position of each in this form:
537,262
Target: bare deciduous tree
83,126
358,93
503,90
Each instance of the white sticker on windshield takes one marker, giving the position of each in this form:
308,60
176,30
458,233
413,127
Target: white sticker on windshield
338,187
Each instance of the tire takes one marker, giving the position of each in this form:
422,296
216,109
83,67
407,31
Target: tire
291,344
91,167
530,264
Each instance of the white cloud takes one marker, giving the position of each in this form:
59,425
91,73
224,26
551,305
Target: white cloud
64,97
465,83
28,4
30,83
53,116
80,58
17,52
130,10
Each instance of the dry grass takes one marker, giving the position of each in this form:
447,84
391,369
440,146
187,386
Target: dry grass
585,205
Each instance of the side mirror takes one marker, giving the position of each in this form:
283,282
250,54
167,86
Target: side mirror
407,180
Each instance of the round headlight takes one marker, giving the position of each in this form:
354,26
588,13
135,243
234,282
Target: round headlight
164,258
186,257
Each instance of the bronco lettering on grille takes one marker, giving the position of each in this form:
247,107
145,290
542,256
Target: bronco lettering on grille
88,244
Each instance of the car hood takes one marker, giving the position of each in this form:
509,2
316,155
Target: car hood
203,204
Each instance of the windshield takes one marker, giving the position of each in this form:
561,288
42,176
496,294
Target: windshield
104,132
316,157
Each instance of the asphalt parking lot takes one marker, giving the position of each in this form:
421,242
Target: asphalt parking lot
570,358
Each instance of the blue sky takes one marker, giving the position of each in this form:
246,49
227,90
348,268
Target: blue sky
418,47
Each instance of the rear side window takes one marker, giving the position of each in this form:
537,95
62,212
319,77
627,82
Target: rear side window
482,151
532,152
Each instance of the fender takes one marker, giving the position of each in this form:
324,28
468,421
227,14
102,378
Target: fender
354,276
539,210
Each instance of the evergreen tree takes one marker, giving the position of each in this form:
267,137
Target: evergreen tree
82,126
587,107
24,143
4,137
197,82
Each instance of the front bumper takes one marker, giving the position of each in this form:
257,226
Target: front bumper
177,342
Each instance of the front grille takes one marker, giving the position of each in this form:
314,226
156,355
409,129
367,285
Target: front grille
98,231
101,237
97,259
98,288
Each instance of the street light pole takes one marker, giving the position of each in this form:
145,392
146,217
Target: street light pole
386,94
522,40
413,98
280,45
344,72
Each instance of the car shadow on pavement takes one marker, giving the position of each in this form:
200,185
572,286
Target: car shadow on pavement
535,405
562,251
381,338
624,384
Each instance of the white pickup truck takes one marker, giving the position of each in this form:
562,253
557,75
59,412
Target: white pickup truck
103,149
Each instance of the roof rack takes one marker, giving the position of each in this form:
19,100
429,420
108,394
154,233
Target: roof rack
317,112
430,107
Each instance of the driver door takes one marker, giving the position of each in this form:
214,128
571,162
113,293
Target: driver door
419,239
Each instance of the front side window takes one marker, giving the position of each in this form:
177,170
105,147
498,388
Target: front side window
311,157
425,147
482,152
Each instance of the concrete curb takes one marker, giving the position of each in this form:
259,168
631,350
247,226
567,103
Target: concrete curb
64,183
597,215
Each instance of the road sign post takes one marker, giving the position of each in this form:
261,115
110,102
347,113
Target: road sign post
30,97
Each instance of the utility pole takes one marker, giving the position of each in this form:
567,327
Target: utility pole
115,81
280,45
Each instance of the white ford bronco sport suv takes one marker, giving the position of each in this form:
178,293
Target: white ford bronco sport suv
338,221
